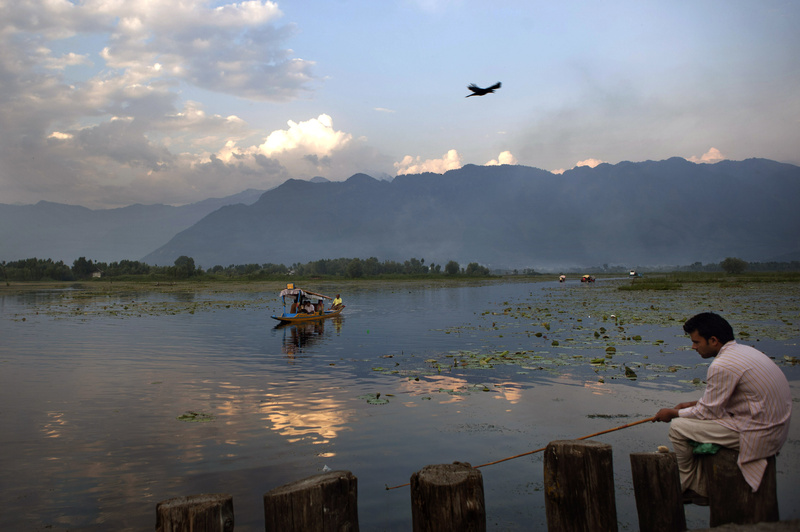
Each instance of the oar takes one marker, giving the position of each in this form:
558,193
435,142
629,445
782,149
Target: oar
543,448
316,294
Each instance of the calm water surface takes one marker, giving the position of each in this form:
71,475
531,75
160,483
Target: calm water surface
111,403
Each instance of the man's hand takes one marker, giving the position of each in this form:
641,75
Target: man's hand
666,415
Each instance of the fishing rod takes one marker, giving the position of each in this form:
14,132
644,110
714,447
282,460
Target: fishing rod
543,448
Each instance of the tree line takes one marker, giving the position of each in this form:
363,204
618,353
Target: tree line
184,267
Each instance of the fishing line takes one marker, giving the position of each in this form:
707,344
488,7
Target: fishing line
543,448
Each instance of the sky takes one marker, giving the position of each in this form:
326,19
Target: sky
107,103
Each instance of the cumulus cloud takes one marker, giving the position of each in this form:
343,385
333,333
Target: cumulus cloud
415,165
586,162
234,48
451,160
315,136
305,149
711,156
504,158
123,129
591,163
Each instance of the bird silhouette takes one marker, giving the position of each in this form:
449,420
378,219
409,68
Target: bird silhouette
477,91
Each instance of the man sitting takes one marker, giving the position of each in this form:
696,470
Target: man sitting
746,406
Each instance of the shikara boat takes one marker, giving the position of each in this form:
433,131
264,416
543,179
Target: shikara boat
304,305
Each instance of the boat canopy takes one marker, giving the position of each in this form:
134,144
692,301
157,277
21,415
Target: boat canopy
304,294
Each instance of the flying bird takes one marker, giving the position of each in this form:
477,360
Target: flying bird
477,91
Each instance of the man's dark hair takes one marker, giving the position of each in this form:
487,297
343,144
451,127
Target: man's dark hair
708,324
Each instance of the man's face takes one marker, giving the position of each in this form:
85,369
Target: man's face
705,348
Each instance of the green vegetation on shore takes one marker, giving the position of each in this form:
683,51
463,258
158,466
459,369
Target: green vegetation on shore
33,270
675,281
184,268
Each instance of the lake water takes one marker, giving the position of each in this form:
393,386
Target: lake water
112,401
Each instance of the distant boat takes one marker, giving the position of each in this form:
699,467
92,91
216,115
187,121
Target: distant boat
587,279
304,306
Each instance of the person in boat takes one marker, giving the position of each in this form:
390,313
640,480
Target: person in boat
308,307
746,406
337,302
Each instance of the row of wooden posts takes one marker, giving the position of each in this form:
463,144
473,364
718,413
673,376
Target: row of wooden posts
578,486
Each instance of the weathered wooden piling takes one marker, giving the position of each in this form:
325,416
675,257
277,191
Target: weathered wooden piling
730,498
657,487
209,512
322,503
579,487
448,497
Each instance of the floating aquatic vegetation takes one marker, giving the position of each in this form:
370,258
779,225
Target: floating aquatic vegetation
195,417
374,399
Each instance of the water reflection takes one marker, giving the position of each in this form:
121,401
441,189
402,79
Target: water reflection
297,337
93,396
55,424
314,419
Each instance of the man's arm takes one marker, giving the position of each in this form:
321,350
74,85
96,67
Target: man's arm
666,415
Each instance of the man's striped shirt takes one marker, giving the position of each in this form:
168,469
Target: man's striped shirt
747,392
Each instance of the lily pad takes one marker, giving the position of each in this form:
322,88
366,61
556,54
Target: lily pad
196,417
374,399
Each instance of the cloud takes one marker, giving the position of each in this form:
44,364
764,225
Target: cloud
121,131
315,136
711,156
591,163
305,149
586,162
415,165
504,158
66,60
233,48
451,160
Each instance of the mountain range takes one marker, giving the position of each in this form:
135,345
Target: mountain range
66,232
636,214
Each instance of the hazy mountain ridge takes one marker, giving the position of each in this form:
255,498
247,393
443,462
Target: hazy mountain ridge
67,232
647,213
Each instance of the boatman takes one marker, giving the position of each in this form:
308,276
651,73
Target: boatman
746,407
337,302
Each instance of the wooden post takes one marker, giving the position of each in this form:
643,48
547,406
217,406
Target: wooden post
657,486
326,503
579,487
730,498
448,497
209,512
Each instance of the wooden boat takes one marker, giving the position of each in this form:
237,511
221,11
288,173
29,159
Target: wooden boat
304,306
